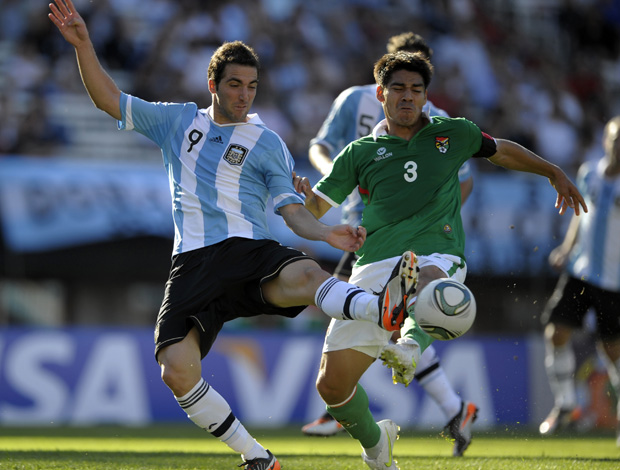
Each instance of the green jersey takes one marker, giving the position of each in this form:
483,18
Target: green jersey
410,188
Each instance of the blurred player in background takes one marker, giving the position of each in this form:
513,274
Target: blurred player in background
223,164
353,115
590,259
407,174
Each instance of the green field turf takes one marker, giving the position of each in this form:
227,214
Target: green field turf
185,447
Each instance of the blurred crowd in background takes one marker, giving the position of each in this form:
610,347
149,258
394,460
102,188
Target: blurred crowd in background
545,73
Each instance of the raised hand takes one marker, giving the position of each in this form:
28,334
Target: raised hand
568,195
69,22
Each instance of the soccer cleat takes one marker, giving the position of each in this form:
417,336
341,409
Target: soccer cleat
385,458
559,419
459,427
267,463
403,358
400,286
325,426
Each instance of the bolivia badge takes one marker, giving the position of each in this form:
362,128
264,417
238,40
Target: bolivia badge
442,144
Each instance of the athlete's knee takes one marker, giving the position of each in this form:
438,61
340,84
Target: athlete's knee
311,276
298,282
329,391
179,372
332,390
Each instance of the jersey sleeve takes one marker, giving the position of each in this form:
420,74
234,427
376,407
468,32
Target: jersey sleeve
488,147
342,179
481,144
278,169
153,120
335,129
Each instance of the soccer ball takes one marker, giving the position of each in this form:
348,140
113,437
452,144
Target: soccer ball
445,309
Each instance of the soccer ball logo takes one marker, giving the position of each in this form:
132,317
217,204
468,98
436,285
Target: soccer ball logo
445,309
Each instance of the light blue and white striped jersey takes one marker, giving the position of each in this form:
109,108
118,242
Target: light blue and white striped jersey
354,114
595,258
221,175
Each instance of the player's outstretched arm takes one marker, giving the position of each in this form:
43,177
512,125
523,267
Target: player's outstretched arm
100,87
513,156
315,204
303,223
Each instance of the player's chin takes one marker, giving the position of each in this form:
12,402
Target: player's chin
407,118
240,113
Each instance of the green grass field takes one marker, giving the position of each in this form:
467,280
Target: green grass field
185,447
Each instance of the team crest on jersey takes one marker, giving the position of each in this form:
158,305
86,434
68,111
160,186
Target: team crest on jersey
447,229
235,154
442,144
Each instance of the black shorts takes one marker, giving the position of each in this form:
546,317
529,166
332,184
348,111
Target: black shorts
345,265
571,300
212,285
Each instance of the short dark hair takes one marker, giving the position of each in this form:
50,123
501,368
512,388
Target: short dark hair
411,42
235,52
402,60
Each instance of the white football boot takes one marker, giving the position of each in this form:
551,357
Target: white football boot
385,460
403,358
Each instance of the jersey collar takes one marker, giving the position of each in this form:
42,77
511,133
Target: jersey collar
252,119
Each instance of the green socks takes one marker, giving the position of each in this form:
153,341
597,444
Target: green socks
356,418
411,330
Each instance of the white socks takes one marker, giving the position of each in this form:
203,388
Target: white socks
344,301
560,366
210,411
431,376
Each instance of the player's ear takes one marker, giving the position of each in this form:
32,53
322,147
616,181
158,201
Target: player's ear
212,86
380,96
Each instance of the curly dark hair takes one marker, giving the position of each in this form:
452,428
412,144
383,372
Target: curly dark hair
402,60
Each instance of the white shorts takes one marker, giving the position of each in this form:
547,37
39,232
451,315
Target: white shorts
367,337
